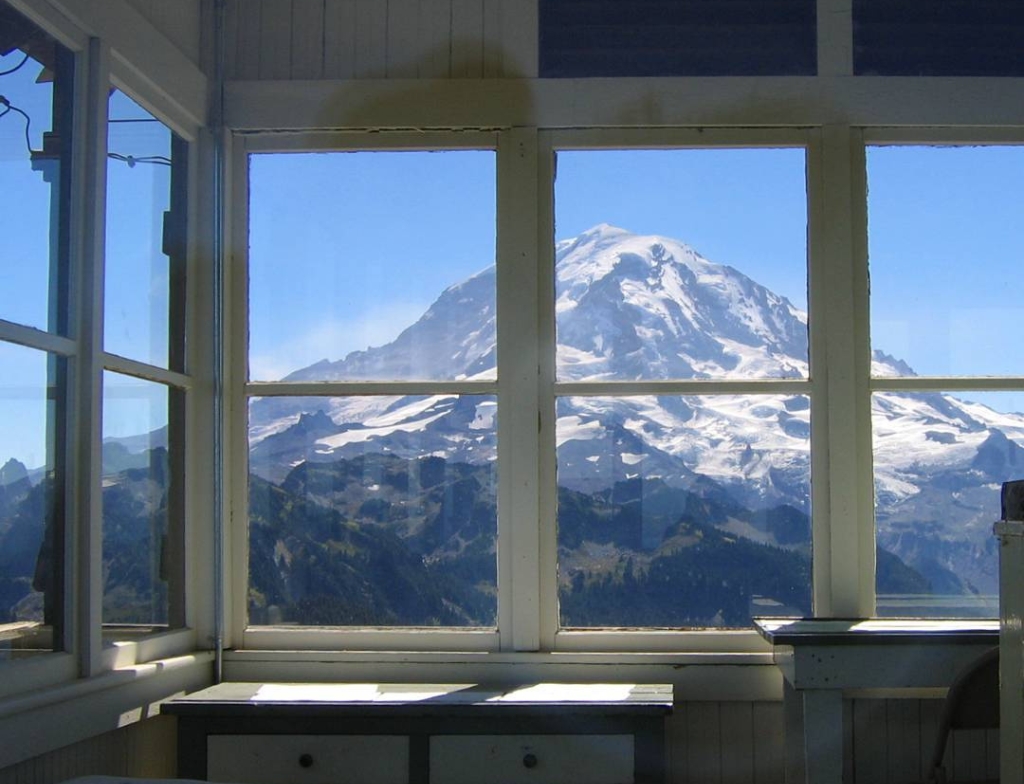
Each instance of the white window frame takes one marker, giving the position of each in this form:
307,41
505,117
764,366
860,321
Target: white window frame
965,136
241,389
551,142
102,62
528,614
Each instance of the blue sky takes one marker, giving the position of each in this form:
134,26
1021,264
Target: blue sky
946,237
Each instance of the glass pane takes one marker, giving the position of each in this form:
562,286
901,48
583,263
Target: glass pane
940,460
681,264
371,265
35,145
683,511
373,511
31,501
138,295
946,244
138,503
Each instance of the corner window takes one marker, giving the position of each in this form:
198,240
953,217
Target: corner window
36,82
143,384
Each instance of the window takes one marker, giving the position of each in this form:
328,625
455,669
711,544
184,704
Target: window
680,280
93,360
371,412
676,338
945,246
36,78
143,383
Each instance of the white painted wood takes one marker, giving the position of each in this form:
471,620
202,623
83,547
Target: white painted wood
177,20
492,53
835,37
11,332
737,741
307,42
339,39
435,32
403,44
840,404
518,405
519,39
86,514
1011,649
669,102
235,372
467,32
53,718
869,751
142,60
371,21
56,23
547,502
768,731
560,759
703,758
245,62
823,736
275,41
149,372
262,759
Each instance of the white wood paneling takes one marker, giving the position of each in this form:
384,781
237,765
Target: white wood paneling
275,41
178,20
370,39
467,33
146,748
339,39
307,39
402,38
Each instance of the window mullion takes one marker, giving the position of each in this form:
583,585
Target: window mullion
518,443
840,366
87,511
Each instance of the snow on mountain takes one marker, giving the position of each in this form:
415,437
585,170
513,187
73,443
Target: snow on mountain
632,307
649,307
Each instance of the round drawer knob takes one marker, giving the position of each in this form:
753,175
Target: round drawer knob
306,761
530,761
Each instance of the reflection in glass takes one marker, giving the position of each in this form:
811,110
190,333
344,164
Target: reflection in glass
683,511
391,276
373,511
678,264
138,503
946,241
143,247
31,501
940,460
35,152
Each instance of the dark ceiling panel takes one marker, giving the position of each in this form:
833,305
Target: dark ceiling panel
938,37
583,38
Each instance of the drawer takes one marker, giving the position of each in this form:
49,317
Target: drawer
531,759
308,759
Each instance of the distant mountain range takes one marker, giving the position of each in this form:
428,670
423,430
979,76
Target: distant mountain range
673,510
649,307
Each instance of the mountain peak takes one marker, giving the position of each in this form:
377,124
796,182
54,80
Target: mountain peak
12,471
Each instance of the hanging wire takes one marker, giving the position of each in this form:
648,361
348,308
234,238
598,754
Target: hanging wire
8,107
15,68
132,160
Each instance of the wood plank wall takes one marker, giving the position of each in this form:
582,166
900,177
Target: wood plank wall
379,39
887,742
146,748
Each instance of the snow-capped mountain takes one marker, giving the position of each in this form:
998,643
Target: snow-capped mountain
633,307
